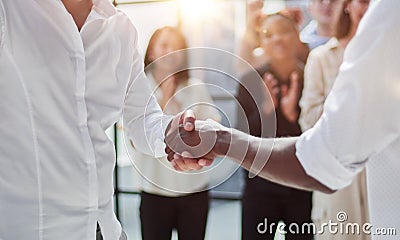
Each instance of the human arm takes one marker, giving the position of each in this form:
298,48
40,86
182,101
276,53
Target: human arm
268,158
250,39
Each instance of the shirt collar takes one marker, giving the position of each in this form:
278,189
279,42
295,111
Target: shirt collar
332,43
104,8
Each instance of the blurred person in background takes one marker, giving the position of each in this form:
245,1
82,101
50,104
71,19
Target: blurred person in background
167,196
250,48
281,75
320,73
320,28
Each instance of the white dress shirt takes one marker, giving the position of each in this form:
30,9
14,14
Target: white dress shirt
361,120
60,89
320,73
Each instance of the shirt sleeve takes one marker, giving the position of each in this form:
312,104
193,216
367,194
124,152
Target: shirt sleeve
361,116
143,120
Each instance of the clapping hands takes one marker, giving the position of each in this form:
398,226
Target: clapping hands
284,96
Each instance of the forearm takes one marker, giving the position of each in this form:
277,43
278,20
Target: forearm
272,159
247,46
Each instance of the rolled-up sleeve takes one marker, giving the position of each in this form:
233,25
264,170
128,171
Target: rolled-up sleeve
361,114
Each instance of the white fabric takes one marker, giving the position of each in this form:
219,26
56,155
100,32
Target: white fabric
361,119
60,89
158,176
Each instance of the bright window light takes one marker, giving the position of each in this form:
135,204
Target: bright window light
196,10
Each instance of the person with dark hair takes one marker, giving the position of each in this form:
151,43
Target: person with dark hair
250,49
166,193
282,75
320,73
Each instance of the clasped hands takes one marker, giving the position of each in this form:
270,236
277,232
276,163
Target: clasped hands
193,144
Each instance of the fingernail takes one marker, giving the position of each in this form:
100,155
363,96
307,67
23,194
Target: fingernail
186,155
173,163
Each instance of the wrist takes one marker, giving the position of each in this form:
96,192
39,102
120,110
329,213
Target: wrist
223,143
252,37
235,144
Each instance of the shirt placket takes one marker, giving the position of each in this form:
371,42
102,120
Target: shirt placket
79,59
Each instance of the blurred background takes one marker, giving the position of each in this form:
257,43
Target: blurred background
218,24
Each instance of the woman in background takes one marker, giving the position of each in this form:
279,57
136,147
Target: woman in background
170,199
281,74
320,73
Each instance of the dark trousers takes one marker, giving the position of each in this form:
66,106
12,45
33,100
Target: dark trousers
160,215
256,208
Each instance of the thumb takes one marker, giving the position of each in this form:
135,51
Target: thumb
187,119
294,82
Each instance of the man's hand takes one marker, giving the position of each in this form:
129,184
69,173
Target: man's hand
192,150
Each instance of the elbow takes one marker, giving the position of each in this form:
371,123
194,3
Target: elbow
327,190
324,189
315,185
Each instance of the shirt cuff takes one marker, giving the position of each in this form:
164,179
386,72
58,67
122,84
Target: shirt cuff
159,145
319,163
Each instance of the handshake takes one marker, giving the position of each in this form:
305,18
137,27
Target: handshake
191,144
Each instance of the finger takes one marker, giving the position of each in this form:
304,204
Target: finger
167,149
276,90
176,167
188,118
205,162
180,164
294,80
270,80
190,161
284,90
192,164
177,156
170,156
